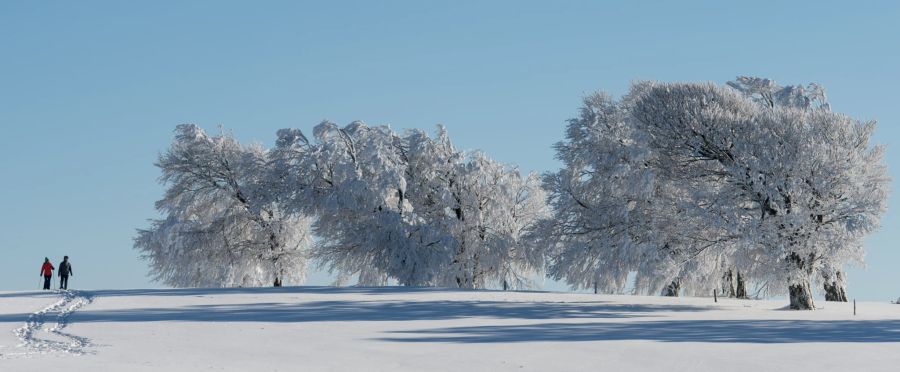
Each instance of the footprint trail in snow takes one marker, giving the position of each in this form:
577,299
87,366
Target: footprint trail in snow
37,338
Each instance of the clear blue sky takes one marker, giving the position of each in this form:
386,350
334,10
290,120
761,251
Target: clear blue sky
91,91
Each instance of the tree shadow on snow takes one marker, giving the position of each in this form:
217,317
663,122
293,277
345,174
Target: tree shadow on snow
247,290
39,293
727,331
268,290
327,311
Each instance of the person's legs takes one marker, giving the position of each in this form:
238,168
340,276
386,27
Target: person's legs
47,282
64,282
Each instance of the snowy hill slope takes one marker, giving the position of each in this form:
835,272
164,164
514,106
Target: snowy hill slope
414,329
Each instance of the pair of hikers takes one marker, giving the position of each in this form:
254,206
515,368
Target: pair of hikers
65,269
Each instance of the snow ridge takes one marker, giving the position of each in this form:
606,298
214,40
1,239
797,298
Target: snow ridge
63,343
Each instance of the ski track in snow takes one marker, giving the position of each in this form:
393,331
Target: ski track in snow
58,342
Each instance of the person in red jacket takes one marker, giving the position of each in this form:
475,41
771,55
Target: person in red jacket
47,272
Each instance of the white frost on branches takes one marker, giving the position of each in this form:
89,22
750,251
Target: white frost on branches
679,182
674,187
411,208
382,205
223,224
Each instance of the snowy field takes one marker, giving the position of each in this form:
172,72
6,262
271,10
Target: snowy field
408,329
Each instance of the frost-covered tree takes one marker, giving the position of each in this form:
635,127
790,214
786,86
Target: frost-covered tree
597,232
683,183
482,207
409,207
493,207
812,97
616,213
223,224
806,184
367,225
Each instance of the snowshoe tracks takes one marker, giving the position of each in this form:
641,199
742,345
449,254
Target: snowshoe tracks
64,343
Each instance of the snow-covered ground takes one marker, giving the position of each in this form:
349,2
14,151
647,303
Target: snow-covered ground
409,329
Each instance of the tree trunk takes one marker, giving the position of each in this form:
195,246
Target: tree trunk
733,285
800,291
672,289
728,284
278,276
741,291
835,291
801,296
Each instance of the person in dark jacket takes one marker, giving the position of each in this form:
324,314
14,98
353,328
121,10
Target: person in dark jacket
47,272
65,269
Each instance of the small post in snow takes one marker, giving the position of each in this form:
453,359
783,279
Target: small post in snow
854,307
715,298
595,287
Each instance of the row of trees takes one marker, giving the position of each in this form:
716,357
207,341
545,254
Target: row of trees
380,204
687,187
